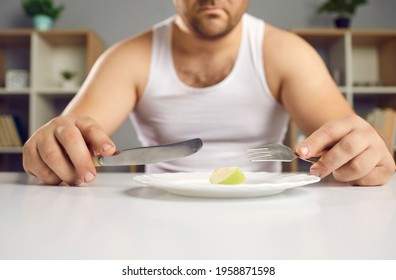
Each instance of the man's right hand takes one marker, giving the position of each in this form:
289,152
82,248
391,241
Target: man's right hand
61,150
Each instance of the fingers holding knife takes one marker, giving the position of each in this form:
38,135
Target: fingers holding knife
60,151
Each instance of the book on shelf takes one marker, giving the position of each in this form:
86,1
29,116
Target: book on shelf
2,134
9,134
384,120
5,140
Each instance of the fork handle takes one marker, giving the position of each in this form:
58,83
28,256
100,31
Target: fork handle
311,159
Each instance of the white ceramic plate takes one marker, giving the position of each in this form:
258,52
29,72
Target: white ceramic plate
198,185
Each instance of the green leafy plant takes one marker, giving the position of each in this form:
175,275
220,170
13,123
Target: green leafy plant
343,8
68,75
42,7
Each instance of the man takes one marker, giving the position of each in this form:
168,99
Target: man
213,72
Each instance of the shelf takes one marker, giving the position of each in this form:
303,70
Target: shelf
374,56
373,37
374,90
44,55
10,150
15,37
56,91
22,91
66,37
361,36
320,36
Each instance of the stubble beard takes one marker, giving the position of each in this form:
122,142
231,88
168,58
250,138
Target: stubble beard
203,29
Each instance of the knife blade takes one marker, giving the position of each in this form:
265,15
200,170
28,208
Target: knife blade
150,154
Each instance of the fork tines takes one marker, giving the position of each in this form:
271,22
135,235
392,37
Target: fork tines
259,154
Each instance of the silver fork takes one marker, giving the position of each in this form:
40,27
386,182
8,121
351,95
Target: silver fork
275,152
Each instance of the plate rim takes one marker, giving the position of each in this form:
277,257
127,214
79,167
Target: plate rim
209,190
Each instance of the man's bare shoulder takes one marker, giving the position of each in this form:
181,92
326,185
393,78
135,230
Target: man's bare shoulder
138,46
126,61
279,41
285,55
131,56
285,52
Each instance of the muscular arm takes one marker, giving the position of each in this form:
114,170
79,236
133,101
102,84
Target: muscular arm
349,147
61,150
115,83
301,82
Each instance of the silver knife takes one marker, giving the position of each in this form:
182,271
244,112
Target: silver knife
151,154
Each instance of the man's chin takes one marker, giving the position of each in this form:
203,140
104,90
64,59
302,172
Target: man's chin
211,35
211,29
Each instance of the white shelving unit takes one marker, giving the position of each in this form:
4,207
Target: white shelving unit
44,54
362,62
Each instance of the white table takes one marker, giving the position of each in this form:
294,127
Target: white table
116,218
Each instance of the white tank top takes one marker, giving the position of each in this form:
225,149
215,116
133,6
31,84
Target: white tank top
237,113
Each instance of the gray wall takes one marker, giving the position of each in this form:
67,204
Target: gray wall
114,20
117,19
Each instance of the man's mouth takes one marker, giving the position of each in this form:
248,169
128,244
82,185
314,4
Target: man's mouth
209,9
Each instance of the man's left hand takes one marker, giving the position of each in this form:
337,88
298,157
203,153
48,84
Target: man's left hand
352,150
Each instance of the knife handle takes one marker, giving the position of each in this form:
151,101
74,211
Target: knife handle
97,161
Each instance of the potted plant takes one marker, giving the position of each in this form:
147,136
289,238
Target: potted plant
343,9
69,79
43,12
